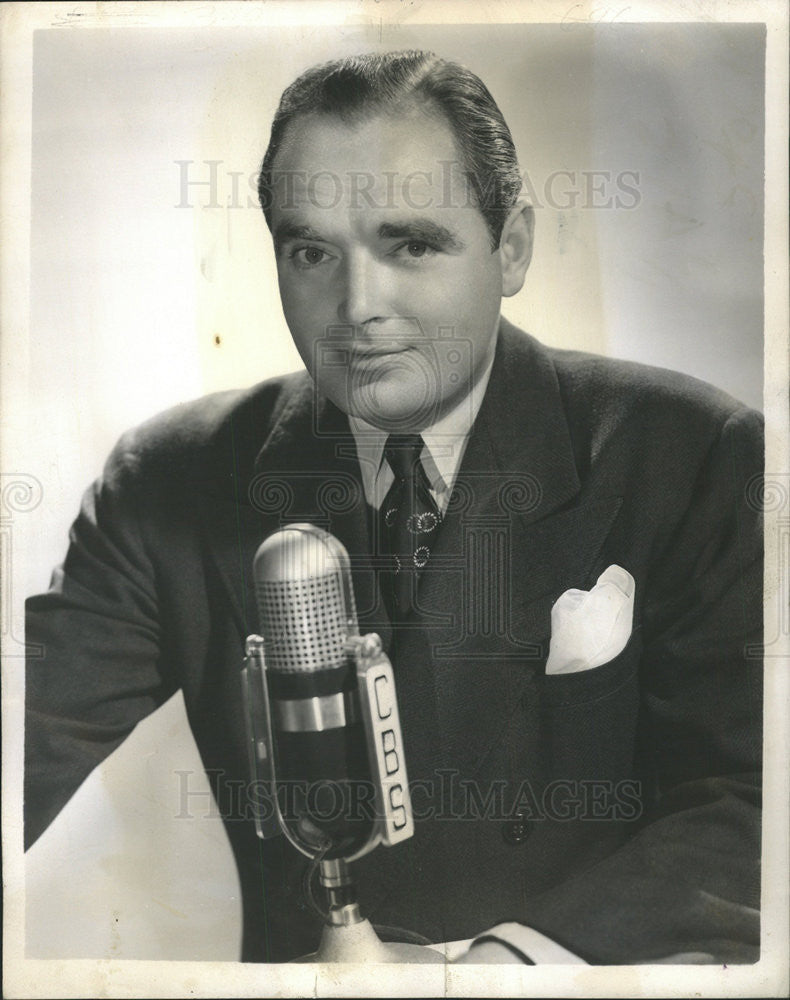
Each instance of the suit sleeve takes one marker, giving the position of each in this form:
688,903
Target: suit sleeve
98,675
688,880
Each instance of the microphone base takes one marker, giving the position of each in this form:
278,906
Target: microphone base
358,942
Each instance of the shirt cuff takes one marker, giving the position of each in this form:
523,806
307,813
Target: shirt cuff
535,947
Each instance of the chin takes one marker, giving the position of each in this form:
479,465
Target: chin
394,408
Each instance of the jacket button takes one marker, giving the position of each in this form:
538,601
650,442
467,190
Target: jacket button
516,831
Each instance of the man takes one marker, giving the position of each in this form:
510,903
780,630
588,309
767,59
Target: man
607,814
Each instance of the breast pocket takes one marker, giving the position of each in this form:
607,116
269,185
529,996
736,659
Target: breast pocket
588,720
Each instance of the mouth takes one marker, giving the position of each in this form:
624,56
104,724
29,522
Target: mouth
378,351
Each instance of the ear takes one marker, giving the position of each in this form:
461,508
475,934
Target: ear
515,246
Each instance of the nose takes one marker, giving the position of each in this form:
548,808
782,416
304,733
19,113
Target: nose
364,293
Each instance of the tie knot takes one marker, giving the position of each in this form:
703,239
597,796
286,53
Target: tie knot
403,451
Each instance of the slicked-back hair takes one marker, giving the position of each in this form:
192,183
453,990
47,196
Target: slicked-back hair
360,87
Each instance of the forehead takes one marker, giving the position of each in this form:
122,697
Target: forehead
407,160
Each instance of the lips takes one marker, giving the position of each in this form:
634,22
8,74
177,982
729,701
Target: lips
373,353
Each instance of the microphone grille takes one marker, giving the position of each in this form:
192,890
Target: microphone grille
305,600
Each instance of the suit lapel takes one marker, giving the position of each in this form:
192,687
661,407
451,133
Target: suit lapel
518,533
518,470
305,471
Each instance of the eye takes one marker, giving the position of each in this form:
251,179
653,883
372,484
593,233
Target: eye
309,256
414,250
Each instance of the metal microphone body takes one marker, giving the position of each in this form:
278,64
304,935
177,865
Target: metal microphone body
321,706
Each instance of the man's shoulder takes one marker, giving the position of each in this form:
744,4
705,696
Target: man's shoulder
617,414
198,436
638,385
593,385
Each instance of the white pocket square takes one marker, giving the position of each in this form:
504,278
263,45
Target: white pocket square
591,627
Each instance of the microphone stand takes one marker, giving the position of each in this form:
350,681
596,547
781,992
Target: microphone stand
350,937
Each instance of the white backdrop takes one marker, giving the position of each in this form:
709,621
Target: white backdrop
145,292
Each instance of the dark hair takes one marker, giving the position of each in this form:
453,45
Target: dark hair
359,86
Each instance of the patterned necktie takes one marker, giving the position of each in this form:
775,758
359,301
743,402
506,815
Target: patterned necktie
408,522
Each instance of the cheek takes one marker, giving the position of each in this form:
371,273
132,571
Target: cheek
463,297
303,303
433,295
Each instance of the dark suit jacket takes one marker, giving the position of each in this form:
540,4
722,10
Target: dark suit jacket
616,810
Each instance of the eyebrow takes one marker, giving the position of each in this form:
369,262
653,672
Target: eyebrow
423,231
420,230
285,231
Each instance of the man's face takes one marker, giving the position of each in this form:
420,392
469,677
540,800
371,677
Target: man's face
388,281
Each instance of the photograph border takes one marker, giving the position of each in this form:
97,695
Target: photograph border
62,978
